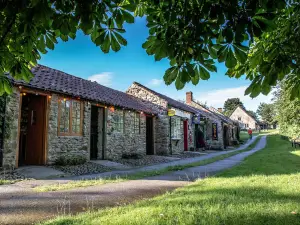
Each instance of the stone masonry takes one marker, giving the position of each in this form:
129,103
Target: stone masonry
11,141
215,144
127,142
67,145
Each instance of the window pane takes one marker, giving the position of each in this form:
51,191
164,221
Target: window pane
118,124
76,113
64,116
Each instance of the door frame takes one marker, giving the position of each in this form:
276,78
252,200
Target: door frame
46,124
185,134
103,153
152,135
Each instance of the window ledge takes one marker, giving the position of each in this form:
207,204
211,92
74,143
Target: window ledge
176,139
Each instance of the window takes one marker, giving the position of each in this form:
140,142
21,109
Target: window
137,123
69,117
176,128
118,118
239,118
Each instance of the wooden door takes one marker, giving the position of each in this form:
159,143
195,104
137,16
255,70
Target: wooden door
35,143
101,122
149,136
94,133
185,134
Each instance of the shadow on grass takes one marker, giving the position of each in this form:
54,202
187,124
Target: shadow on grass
264,189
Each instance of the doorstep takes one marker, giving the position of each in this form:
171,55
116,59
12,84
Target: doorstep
39,172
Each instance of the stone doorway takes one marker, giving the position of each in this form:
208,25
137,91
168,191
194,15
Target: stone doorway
97,144
32,130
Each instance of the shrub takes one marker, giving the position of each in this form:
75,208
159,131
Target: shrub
67,160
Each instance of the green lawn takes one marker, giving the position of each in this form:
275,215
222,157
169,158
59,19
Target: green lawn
140,175
264,189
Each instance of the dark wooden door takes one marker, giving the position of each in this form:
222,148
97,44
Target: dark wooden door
94,133
35,143
149,136
185,134
225,136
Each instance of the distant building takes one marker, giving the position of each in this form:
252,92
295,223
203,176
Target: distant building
244,119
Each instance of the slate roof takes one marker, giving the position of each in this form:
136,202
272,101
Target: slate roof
52,80
223,117
171,102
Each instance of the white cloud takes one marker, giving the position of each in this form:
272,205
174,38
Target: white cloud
216,98
104,78
155,82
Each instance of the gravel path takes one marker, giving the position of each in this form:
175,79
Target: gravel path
146,160
86,168
21,205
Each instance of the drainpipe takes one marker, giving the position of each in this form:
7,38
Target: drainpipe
170,133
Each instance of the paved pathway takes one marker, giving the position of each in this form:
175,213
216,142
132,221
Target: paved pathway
34,183
19,205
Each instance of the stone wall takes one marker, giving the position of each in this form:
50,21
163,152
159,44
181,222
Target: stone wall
67,145
146,95
162,123
127,142
161,135
215,144
11,139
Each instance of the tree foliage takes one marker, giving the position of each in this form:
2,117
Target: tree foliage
231,104
193,35
287,111
274,56
266,113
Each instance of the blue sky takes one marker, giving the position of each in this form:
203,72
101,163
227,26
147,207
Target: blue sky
80,57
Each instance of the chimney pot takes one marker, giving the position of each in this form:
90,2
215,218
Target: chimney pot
189,97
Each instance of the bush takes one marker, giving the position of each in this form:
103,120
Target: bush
68,160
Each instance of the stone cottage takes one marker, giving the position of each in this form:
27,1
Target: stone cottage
220,130
57,115
174,129
245,120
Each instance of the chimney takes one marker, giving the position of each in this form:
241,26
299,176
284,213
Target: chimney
189,97
220,110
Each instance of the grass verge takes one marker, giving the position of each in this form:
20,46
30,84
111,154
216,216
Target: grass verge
264,189
139,175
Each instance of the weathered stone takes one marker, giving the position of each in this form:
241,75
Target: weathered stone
126,142
11,141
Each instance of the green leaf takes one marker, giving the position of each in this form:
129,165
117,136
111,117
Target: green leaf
195,79
119,19
128,17
222,54
230,59
7,86
212,52
204,74
240,55
190,69
115,46
100,39
120,39
106,44
49,43
210,67
178,83
170,75
190,50
173,62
